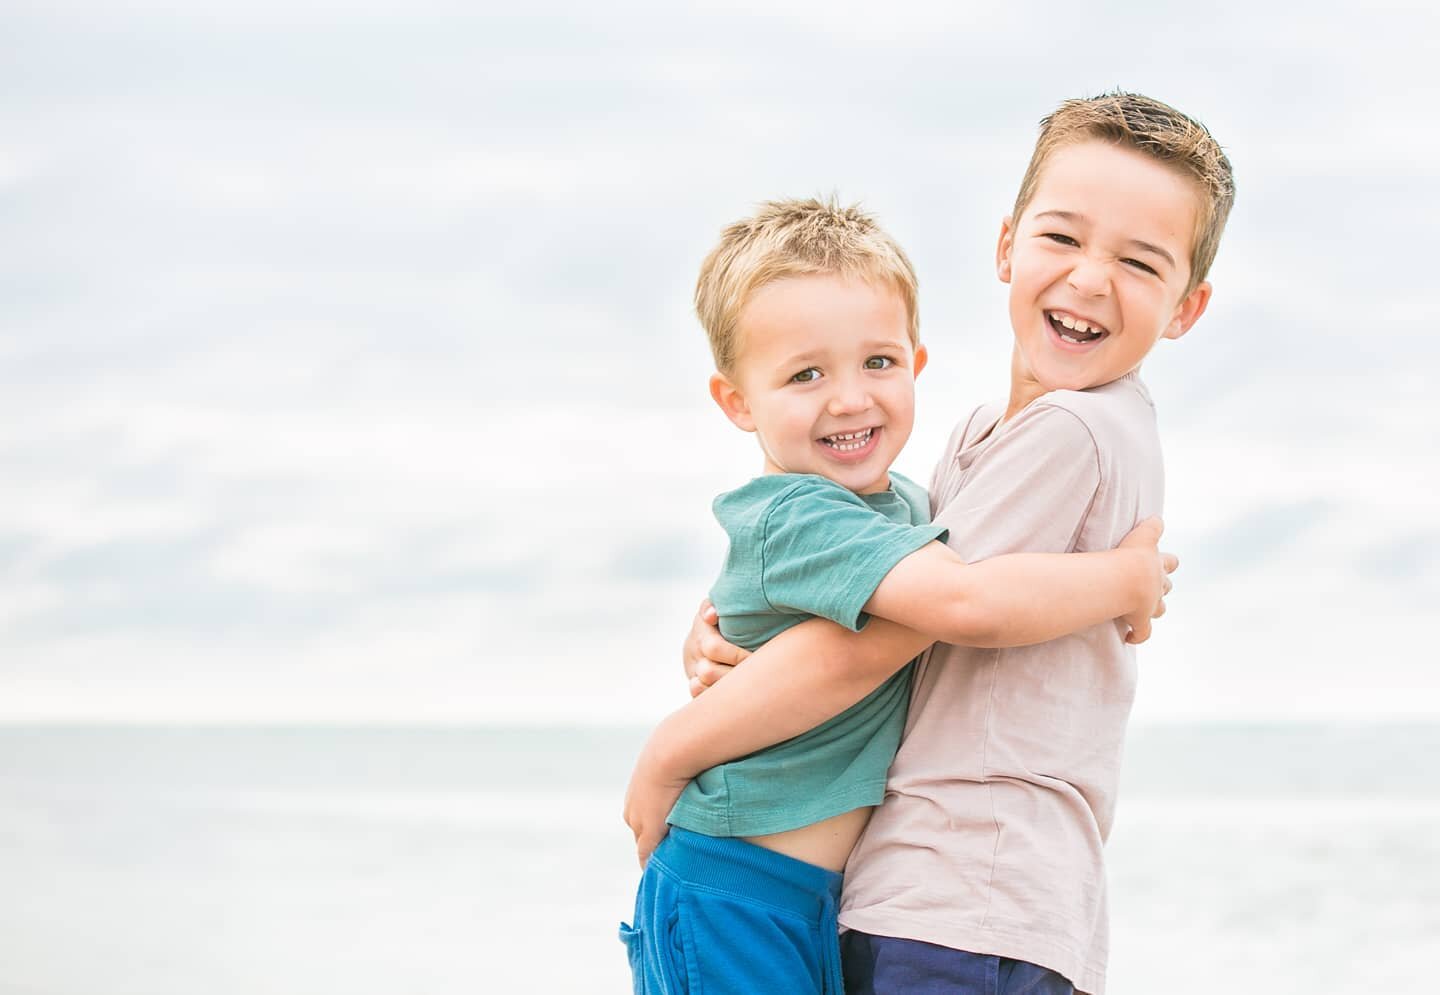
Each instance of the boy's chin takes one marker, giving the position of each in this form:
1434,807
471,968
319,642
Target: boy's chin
1051,382
861,482
1081,383
1069,376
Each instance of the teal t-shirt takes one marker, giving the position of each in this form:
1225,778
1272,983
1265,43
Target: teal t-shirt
802,546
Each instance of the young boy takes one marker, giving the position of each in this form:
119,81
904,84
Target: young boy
983,870
810,311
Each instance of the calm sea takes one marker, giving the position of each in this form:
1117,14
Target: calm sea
142,860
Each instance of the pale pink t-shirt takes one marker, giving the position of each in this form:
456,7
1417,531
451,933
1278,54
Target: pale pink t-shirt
998,805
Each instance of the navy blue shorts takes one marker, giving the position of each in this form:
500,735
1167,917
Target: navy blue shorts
885,965
726,917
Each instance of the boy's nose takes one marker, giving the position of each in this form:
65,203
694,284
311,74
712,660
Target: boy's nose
1090,278
849,398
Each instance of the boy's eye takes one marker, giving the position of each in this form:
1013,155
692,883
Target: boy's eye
1055,236
1137,264
879,363
807,375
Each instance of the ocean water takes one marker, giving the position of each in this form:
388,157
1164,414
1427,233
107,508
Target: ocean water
138,860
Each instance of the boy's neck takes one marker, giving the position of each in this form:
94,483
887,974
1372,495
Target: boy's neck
1025,389
888,484
1021,394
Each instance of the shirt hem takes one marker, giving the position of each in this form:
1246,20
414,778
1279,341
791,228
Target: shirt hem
710,823
1053,955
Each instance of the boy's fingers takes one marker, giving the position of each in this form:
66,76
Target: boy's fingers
646,842
1139,632
708,613
1159,609
1147,533
707,672
1170,562
714,647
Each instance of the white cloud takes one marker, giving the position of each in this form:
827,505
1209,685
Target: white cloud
369,387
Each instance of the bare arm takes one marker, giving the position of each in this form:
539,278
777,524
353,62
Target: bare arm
796,681
1024,598
803,677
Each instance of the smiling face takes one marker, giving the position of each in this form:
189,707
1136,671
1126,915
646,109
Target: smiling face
825,377
1098,265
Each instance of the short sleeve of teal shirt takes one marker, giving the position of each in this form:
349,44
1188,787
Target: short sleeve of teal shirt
802,546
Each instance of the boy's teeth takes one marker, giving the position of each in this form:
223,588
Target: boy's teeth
1078,325
847,441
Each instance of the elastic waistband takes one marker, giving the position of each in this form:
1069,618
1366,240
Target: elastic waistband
731,865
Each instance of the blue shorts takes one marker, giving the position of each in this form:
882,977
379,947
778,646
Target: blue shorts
726,917
885,965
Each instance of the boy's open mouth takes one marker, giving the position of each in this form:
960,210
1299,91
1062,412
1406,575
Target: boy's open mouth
849,442
1076,331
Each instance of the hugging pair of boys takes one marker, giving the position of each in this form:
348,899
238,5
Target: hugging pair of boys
1028,572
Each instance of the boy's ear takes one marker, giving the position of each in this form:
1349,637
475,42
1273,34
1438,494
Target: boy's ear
1188,311
1003,249
922,356
732,402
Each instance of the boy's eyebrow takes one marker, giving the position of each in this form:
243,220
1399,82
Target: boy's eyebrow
811,355
807,356
1144,246
1139,243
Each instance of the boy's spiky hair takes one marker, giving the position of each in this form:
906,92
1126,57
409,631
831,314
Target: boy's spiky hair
1156,130
788,238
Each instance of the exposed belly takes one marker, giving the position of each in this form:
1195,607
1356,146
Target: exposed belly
826,844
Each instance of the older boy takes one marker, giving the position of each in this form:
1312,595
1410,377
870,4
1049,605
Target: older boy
983,871
810,309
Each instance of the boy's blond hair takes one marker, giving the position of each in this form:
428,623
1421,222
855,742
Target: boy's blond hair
1156,130
789,238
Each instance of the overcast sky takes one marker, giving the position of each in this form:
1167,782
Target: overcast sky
347,368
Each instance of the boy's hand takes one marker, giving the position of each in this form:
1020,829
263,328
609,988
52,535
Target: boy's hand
1153,568
648,801
708,657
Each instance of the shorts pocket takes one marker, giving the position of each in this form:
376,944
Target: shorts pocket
684,953
630,936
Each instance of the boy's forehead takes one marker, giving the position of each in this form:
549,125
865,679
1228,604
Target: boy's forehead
1101,184
814,312
808,298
